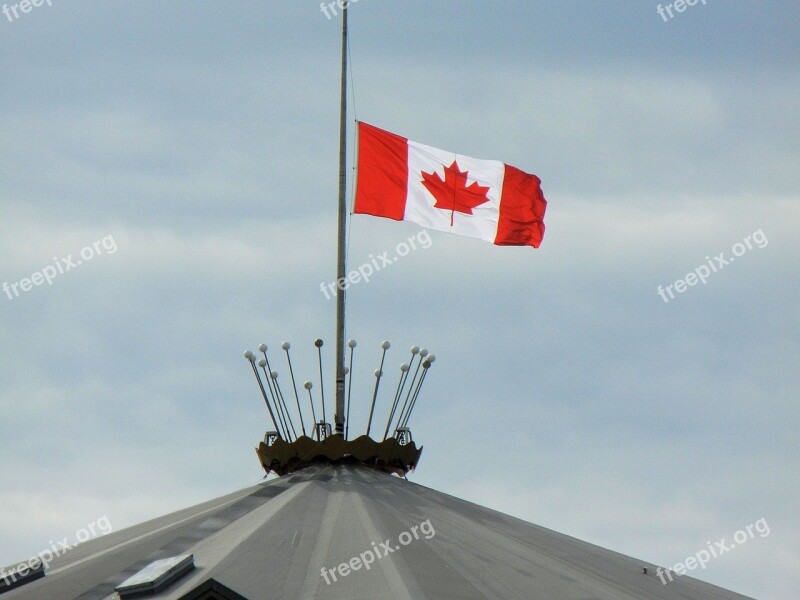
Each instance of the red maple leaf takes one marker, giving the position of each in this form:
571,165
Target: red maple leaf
453,193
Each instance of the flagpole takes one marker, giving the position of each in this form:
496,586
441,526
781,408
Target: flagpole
342,249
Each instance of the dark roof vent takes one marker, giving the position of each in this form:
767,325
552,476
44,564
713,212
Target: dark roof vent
156,576
22,574
212,590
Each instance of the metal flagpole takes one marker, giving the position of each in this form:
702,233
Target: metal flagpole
341,267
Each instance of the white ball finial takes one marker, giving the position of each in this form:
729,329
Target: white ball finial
423,353
432,358
378,372
385,345
286,345
262,348
414,349
404,367
274,374
308,385
352,344
248,355
262,362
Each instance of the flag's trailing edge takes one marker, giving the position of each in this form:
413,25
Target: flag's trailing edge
486,199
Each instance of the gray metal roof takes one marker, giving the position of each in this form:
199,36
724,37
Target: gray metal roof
272,540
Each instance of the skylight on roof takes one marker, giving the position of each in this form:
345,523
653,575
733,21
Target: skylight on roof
156,576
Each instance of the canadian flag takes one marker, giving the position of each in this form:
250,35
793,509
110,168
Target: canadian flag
486,199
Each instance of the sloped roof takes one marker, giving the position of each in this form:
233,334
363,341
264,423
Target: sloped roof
272,540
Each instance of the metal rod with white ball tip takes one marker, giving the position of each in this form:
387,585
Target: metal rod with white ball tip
350,344
274,375
285,346
422,354
378,374
308,385
318,343
426,364
276,399
404,368
252,360
272,385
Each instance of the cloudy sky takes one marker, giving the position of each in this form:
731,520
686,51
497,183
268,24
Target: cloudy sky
196,144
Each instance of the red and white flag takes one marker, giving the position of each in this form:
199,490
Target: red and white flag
486,199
